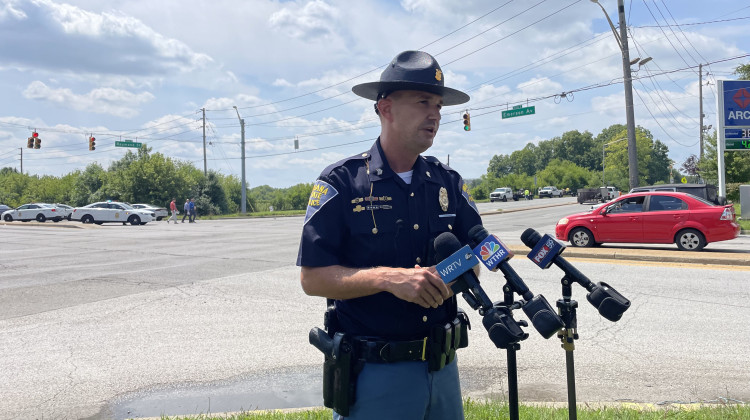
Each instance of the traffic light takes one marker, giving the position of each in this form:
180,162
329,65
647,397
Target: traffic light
467,121
30,143
92,143
37,140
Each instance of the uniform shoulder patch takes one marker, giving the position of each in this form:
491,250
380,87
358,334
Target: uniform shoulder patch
322,192
467,196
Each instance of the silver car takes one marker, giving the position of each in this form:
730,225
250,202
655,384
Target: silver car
160,212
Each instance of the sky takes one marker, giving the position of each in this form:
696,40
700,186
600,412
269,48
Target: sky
145,71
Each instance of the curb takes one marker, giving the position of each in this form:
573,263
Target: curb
502,211
67,225
651,255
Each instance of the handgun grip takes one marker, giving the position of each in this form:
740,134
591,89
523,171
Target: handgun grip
321,341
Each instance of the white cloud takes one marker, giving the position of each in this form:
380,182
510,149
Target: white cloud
316,19
66,38
281,83
101,100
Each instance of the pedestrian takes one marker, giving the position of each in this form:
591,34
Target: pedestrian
193,210
173,209
367,243
526,193
186,210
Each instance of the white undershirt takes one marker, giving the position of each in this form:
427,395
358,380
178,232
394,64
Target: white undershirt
406,176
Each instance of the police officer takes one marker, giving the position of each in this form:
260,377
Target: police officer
367,242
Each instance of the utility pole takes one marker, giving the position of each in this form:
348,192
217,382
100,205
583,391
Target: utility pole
205,170
243,205
628,81
21,160
622,42
700,98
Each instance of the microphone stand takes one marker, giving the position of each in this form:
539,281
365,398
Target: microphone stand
504,332
567,310
512,363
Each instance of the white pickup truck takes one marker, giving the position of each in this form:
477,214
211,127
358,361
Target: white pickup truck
609,193
550,192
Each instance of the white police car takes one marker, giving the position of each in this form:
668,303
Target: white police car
112,211
41,212
64,210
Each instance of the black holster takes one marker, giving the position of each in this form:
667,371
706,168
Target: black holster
340,364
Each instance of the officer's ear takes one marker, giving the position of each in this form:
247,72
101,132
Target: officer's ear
385,106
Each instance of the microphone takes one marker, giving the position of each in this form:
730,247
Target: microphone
495,255
546,251
457,263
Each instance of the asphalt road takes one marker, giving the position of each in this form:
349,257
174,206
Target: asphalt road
119,321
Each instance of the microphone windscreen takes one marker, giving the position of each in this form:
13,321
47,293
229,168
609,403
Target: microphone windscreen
530,237
477,234
445,245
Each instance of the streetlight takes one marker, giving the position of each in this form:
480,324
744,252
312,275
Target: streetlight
622,42
603,146
243,206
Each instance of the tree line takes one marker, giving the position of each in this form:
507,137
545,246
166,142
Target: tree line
578,160
153,178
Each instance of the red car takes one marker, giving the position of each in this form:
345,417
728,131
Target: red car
656,217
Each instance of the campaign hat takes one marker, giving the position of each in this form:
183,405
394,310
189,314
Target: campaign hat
412,70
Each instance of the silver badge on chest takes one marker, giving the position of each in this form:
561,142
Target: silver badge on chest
443,198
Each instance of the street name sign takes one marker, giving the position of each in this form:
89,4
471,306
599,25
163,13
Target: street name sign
518,112
128,144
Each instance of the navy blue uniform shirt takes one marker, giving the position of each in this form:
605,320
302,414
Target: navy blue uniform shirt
361,214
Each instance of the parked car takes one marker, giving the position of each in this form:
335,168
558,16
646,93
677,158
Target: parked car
41,212
3,208
704,191
550,192
112,211
501,194
160,212
656,217
64,209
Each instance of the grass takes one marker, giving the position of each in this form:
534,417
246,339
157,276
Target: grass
483,410
744,224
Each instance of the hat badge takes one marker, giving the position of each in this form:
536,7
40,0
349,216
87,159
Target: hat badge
438,74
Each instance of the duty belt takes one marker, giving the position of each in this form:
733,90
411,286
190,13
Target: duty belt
379,351
438,349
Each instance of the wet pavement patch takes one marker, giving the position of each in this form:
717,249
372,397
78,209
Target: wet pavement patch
272,391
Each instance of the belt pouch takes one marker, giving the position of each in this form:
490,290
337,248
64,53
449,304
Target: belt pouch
465,326
436,359
451,334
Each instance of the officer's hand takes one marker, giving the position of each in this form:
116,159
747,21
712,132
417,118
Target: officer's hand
421,286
